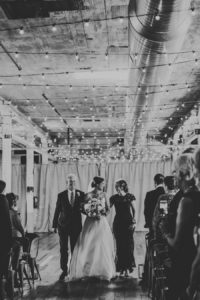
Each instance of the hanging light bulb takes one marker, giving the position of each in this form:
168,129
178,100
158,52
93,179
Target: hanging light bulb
106,56
1,85
24,86
143,69
19,77
43,77
85,99
76,56
21,30
54,28
135,56
66,100
70,87
93,88
192,9
16,54
196,61
194,53
47,86
157,16
46,55
121,20
86,23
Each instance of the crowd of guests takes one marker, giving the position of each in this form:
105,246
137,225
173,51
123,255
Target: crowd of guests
12,236
172,215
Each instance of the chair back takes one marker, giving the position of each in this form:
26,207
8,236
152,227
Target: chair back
34,247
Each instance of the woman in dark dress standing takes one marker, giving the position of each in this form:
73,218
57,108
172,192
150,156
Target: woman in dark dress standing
123,227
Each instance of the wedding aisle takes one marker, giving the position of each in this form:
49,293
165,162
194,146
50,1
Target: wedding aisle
51,288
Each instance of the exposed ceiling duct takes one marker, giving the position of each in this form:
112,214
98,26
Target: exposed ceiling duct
156,28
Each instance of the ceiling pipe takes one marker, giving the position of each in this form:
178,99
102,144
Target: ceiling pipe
155,27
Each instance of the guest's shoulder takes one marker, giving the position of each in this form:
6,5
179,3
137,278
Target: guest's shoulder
130,197
113,197
61,194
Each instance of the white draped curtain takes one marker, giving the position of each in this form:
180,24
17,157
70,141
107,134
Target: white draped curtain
50,179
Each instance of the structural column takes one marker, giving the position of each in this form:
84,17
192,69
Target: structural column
45,154
7,152
30,185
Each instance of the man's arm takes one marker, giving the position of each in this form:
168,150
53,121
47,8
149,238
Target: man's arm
146,210
56,214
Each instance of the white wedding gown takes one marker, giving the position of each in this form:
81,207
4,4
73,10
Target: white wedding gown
94,253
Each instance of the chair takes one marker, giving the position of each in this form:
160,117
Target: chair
30,256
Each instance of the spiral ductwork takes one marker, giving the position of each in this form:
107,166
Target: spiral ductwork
149,37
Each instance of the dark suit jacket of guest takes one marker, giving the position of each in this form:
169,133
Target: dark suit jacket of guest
150,204
5,225
67,217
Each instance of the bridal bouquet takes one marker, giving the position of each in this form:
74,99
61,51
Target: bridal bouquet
95,208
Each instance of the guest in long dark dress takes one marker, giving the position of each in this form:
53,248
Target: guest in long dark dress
123,227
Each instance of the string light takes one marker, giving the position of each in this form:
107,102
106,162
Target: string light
106,56
46,55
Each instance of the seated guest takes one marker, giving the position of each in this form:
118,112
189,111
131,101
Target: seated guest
151,200
182,245
17,231
149,206
195,272
5,236
161,209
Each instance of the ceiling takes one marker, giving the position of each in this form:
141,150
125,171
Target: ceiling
78,72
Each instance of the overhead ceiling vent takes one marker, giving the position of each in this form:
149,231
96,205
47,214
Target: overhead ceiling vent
23,9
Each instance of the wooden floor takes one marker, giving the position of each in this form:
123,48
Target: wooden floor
51,288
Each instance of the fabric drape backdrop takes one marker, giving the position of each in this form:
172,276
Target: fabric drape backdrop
50,179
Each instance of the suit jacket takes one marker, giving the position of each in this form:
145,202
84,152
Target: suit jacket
5,226
68,217
150,204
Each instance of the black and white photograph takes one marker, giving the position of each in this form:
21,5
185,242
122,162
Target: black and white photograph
100,149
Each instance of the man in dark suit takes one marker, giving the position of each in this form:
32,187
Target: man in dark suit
151,200
5,236
68,220
149,207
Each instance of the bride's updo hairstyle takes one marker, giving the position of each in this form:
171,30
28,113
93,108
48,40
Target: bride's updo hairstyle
185,169
122,184
96,181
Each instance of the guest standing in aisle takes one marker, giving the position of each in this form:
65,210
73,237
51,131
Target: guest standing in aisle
151,201
68,220
123,227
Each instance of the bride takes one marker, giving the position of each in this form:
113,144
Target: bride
94,254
